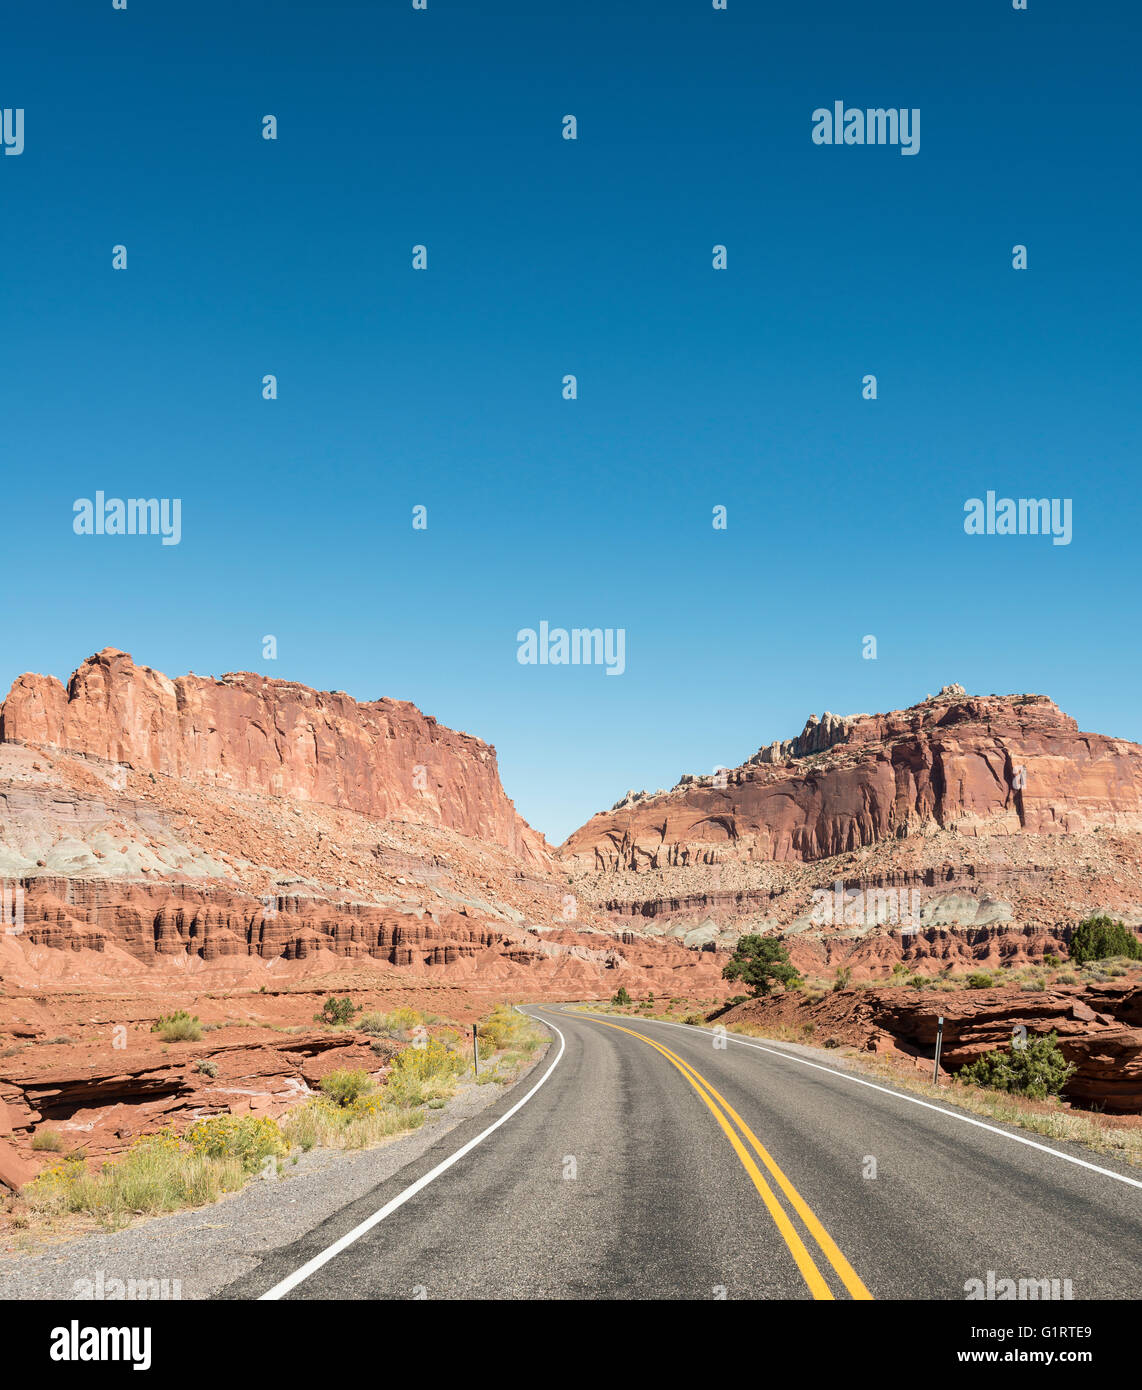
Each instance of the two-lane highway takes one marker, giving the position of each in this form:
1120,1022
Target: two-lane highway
648,1160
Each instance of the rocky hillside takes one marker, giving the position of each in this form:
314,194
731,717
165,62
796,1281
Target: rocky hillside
242,825
989,815
247,733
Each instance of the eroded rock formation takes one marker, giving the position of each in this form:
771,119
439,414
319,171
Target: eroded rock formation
974,765
245,732
1099,1028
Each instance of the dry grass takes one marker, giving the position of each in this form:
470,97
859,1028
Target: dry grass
323,1124
165,1173
159,1173
945,980
47,1141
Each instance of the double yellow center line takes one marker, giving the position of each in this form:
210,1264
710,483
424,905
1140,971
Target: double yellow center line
724,1113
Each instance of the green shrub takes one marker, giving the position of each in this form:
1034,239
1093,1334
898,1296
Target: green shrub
621,996
761,962
343,1087
337,1011
1097,938
206,1067
843,978
421,1074
178,1027
1037,1069
47,1141
979,979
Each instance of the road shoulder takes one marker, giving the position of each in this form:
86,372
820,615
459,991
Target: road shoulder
200,1251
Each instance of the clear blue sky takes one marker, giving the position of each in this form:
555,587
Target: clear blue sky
593,257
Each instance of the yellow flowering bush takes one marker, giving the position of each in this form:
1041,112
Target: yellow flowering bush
505,1028
345,1086
431,1061
248,1138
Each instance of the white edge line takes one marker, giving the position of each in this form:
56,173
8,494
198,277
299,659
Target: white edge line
291,1281
914,1100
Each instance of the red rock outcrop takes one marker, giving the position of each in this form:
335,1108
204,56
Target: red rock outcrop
1098,1029
107,1103
136,841
247,733
974,811
972,765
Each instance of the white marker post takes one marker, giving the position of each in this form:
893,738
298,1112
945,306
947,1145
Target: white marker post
939,1046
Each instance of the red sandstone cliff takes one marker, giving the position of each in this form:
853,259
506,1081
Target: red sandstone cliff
1005,765
247,733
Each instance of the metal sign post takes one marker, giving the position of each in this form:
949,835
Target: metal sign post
939,1046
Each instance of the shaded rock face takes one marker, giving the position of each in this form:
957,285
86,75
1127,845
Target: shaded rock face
971,765
247,733
104,1105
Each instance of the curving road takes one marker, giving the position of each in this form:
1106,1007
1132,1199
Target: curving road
641,1160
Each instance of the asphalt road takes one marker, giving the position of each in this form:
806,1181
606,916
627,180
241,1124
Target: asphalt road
640,1160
